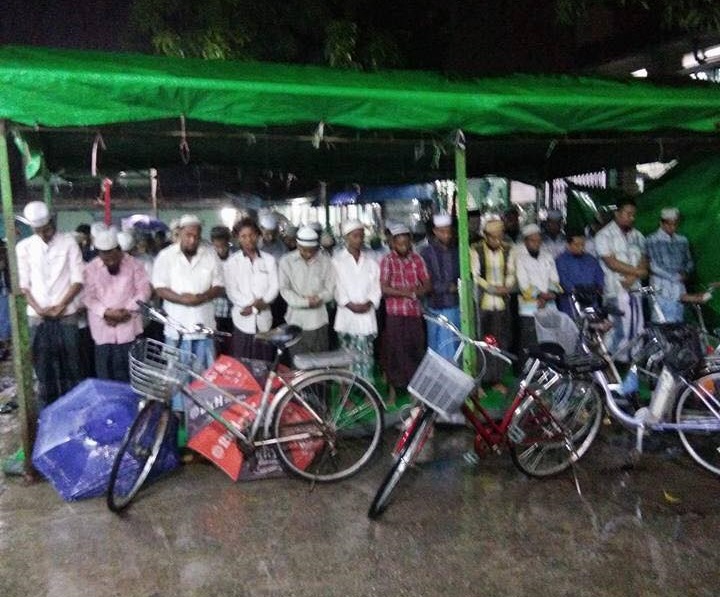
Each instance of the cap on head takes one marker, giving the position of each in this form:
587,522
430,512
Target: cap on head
189,220
554,214
291,232
307,237
530,229
494,226
670,213
126,240
399,229
36,214
106,240
442,220
349,226
268,222
96,228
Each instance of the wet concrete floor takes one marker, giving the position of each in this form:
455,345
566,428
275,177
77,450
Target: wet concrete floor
452,529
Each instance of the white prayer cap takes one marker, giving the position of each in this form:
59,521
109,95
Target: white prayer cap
554,214
398,229
36,214
105,240
307,237
669,213
349,226
327,240
96,228
189,220
126,240
442,220
268,222
530,229
493,226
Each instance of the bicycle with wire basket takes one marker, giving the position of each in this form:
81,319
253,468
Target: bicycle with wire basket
321,408
551,422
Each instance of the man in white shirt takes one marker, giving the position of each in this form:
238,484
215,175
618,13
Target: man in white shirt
621,251
307,284
188,277
251,284
50,271
357,294
537,280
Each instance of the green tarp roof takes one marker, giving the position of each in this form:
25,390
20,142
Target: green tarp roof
56,88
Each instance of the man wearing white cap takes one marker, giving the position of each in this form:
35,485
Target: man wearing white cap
442,260
307,284
537,279
357,294
621,250
50,271
493,270
670,264
404,280
553,238
114,282
188,277
271,241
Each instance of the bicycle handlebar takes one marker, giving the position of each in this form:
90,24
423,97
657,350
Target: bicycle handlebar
443,321
161,316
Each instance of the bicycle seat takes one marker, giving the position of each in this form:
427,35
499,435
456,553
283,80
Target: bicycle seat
554,355
322,360
282,336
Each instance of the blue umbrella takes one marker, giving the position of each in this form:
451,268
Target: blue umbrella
79,436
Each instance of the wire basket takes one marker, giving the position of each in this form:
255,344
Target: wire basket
158,370
440,384
555,326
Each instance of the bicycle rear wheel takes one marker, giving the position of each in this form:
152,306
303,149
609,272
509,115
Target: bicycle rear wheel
700,418
328,426
137,454
408,448
553,428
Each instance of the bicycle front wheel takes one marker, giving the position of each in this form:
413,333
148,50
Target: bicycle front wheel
409,447
328,426
700,420
137,454
553,428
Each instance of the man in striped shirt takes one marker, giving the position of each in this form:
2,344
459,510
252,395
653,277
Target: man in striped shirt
404,279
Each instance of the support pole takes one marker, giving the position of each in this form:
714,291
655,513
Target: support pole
467,310
18,319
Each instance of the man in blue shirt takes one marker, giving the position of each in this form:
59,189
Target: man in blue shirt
576,268
670,264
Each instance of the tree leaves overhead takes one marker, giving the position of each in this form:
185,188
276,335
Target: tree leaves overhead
694,16
306,31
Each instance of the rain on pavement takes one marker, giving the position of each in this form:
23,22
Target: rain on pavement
453,528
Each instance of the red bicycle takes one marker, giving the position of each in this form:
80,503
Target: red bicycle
551,422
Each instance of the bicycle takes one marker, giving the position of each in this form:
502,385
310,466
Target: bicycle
325,422
549,425
687,383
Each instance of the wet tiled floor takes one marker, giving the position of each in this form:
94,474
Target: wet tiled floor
452,529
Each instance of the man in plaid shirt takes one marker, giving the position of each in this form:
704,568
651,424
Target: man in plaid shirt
404,279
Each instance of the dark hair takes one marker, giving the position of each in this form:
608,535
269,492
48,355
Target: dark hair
83,229
573,233
220,233
625,201
245,223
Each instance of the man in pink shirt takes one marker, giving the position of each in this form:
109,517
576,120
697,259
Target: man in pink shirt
114,282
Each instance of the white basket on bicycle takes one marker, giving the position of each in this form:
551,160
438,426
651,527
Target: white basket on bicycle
158,370
440,384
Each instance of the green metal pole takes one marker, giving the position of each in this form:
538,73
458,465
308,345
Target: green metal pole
22,362
467,310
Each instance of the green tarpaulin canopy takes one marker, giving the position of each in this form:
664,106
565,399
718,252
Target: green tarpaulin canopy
71,88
